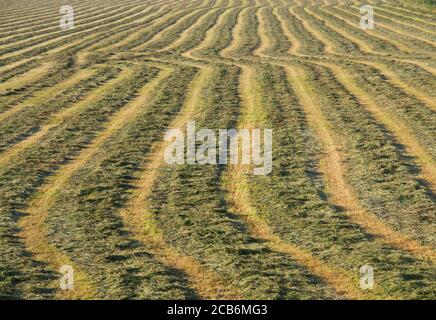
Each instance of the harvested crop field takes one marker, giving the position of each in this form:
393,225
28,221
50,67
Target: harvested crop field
91,209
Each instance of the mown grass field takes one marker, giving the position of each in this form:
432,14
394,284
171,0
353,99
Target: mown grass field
83,181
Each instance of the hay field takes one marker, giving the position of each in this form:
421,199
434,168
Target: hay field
83,181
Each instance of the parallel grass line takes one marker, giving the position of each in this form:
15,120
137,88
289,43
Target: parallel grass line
237,30
121,38
139,220
265,42
47,46
283,199
338,279
398,32
308,43
245,41
43,27
33,18
410,10
399,22
36,34
416,16
160,27
210,41
21,46
29,19
395,125
16,64
328,45
143,34
63,67
26,78
180,26
83,43
33,230
259,272
185,35
45,94
62,34
295,43
391,76
18,68
424,159
56,119
29,172
400,45
363,45
332,167
422,65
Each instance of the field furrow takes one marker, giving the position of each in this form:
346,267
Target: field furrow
30,125
139,220
370,154
98,170
59,184
203,217
244,41
300,212
61,76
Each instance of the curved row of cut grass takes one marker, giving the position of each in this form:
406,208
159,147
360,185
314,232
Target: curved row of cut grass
60,70
75,39
22,37
33,20
378,169
245,41
197,32
189,205
115,263
66,35
219,37
30,120
296,208
21,179
413,43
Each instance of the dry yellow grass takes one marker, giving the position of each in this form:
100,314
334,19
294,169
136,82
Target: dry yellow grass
392,123
33,231
138,219
295,43
137,215
265,42
401,46
237,31
185,35
393,78
344,284
328,45
333,169
360,44
44,95
58,118
56,39
30,76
